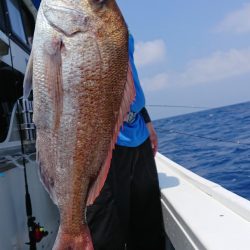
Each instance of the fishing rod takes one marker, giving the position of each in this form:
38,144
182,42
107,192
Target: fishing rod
36,232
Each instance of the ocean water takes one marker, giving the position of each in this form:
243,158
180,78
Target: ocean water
214,144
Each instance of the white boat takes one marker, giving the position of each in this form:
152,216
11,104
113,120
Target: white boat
198,214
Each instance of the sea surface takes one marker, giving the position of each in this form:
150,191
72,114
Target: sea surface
214,144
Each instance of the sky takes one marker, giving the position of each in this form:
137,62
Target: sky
190,53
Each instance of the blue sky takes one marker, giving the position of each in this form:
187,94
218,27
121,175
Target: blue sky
194,53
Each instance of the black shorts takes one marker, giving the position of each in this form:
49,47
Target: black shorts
128,209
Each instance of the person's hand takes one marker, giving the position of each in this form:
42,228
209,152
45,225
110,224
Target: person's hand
153,137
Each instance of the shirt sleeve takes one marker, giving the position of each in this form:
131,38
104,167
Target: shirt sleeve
145,115
139,101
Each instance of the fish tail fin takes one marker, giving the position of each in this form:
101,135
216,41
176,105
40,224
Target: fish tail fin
80,241
128,97
27,82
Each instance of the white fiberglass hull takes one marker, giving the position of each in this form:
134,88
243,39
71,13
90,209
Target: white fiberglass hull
200,214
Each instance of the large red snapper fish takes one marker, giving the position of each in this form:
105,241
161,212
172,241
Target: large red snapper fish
83,89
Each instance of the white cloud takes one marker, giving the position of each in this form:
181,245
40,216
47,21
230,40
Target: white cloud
147,53
155,83
236,22
218,66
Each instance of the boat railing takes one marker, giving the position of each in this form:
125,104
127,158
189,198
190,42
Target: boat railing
20,122
25,109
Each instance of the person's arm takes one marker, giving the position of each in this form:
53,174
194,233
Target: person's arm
152,133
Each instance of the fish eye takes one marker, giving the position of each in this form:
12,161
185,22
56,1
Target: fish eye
99,4
99,1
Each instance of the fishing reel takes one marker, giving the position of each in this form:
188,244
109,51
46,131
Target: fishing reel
36,232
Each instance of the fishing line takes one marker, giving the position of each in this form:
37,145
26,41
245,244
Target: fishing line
202,137
212,109
175,106
188,134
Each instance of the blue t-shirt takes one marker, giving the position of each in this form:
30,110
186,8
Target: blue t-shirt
134,133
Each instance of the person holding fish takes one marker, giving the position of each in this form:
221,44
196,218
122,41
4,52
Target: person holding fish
127,213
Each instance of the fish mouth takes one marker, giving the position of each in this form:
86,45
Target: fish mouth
66,20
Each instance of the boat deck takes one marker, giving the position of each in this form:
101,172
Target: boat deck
200,214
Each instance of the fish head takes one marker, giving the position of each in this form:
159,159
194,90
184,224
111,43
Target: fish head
101,18
106,17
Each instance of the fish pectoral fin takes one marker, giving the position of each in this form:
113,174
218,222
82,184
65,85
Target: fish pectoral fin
27,82
53,69
64,19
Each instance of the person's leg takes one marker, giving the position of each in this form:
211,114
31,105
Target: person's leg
121,183
109,215
146,231
104,223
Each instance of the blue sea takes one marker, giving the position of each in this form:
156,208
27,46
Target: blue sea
214,144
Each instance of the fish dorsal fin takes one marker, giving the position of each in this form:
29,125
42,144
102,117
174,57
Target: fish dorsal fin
66,20
128,97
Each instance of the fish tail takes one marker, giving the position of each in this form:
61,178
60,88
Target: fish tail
68,241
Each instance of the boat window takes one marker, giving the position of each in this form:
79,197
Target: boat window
21,21
29,23
2,21
10,90
16,20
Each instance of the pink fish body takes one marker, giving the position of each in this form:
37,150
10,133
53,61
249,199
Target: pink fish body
83,88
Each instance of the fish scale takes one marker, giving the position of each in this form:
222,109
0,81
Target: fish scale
83,88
